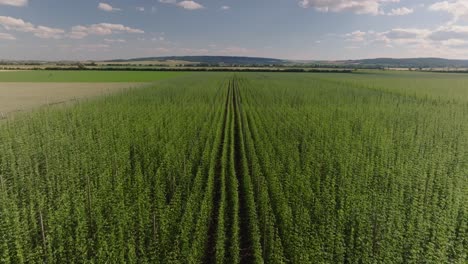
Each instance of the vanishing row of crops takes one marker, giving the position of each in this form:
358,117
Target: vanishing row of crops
251,168
346,173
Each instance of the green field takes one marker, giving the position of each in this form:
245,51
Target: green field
417,84
241,168
85,76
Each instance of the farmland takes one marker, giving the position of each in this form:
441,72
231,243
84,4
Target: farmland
19,96
84,76
240,168
26,90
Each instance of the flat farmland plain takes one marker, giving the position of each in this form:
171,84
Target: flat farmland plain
25,90
22,96
85,76
243,168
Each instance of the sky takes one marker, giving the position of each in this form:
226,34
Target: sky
285,29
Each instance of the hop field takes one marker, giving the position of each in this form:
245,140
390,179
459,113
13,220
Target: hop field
242,168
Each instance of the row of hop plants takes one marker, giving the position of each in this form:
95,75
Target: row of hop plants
256,167
360,174
276,212
110,179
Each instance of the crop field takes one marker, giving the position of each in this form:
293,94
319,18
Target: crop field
242,168
445,86
25,90
20,96
85,76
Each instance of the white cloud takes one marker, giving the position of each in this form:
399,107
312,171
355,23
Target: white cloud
225,7
356,36
141,9
455,43
15,24
372,7
458,8
407,33
79,32
107,8
190,5
451,32
161,38
187,4
6,36
14,2
445,41
115,40
401,11
48,33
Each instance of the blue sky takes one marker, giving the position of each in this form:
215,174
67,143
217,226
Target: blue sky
289,29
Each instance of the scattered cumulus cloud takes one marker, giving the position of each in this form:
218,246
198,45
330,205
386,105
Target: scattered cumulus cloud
356,36
187,4
6,36
190,5
140,8
102,29
451,32
458,9
157,39
11,23
401,11
48,33
115,40
14,2
446,41
455,43
225,7
372,7
107,8
15,24
406,33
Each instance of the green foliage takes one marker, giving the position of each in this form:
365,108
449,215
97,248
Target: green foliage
246,168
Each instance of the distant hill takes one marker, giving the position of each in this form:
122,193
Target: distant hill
364,63
211,60
409,63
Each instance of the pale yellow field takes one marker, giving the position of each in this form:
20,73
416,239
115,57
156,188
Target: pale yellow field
16,97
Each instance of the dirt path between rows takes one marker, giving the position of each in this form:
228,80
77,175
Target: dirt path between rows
16,97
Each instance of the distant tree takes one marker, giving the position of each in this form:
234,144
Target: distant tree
81,66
